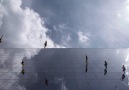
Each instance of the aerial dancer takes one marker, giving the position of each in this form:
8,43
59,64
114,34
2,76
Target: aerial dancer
46,82
1,39
45,44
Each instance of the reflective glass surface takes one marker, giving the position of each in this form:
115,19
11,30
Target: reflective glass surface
64,69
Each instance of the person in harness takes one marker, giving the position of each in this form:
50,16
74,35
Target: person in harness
1,39
22,63
123,67
105,64
45,44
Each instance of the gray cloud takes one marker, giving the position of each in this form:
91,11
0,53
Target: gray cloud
99,18
22,28
62,18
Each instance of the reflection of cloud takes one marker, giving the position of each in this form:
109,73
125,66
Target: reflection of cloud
21,28
3,58
11,59
18,87
127,59
61,80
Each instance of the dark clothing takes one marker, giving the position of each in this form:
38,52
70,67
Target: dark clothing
23,71
46,82
86,58
123,68
1,39
105,63
45,44
123,76
105,71
22,63
86,68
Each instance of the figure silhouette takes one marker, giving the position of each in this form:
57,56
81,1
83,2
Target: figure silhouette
86,58
22,63
105,71
86,62
23,71
123,67
123,76
46,82
86,68
45,44
105,64
1,39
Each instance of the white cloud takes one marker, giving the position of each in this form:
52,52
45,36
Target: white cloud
22,28
127,1
119,15
65,40
83,37
60,27
68,38
118,51
62,82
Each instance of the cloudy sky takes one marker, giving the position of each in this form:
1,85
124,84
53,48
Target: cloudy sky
64,23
